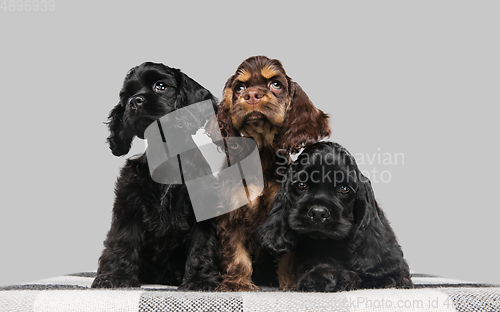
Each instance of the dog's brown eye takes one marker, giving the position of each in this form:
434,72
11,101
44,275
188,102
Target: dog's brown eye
344,190
301,186
159,87
275,86
239,89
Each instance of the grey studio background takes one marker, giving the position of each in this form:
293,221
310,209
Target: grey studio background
412,89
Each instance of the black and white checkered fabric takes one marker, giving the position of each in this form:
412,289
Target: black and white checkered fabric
73,293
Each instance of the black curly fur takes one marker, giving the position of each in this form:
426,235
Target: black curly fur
327,215
154,236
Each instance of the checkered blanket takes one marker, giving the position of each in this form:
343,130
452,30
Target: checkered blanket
73,293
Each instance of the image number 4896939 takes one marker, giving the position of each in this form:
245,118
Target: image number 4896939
28,6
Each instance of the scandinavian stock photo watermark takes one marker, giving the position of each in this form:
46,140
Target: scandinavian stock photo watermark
175,157
417,304
379,166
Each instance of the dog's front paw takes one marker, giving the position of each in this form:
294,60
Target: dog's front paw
108,281
200,285
237,286
328,279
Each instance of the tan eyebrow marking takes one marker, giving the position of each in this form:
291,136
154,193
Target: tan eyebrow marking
244,75
268,72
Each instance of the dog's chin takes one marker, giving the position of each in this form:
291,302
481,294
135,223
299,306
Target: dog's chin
144,120
141,125
258,115
256,119
242,118
334,231
326,235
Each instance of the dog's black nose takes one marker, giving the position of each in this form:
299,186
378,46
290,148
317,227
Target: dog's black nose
318,214
136,101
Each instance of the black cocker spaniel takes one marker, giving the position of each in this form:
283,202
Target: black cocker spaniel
154,236
326,215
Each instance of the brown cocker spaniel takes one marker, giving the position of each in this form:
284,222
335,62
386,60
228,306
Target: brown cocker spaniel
262,102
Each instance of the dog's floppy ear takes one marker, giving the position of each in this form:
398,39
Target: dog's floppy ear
275,234
375,250
119,141
224,113
366,212
191,92
304,124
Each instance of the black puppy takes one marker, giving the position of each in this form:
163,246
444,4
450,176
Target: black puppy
154,236
326,214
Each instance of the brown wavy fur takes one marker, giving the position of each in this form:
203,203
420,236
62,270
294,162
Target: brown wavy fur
282,122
